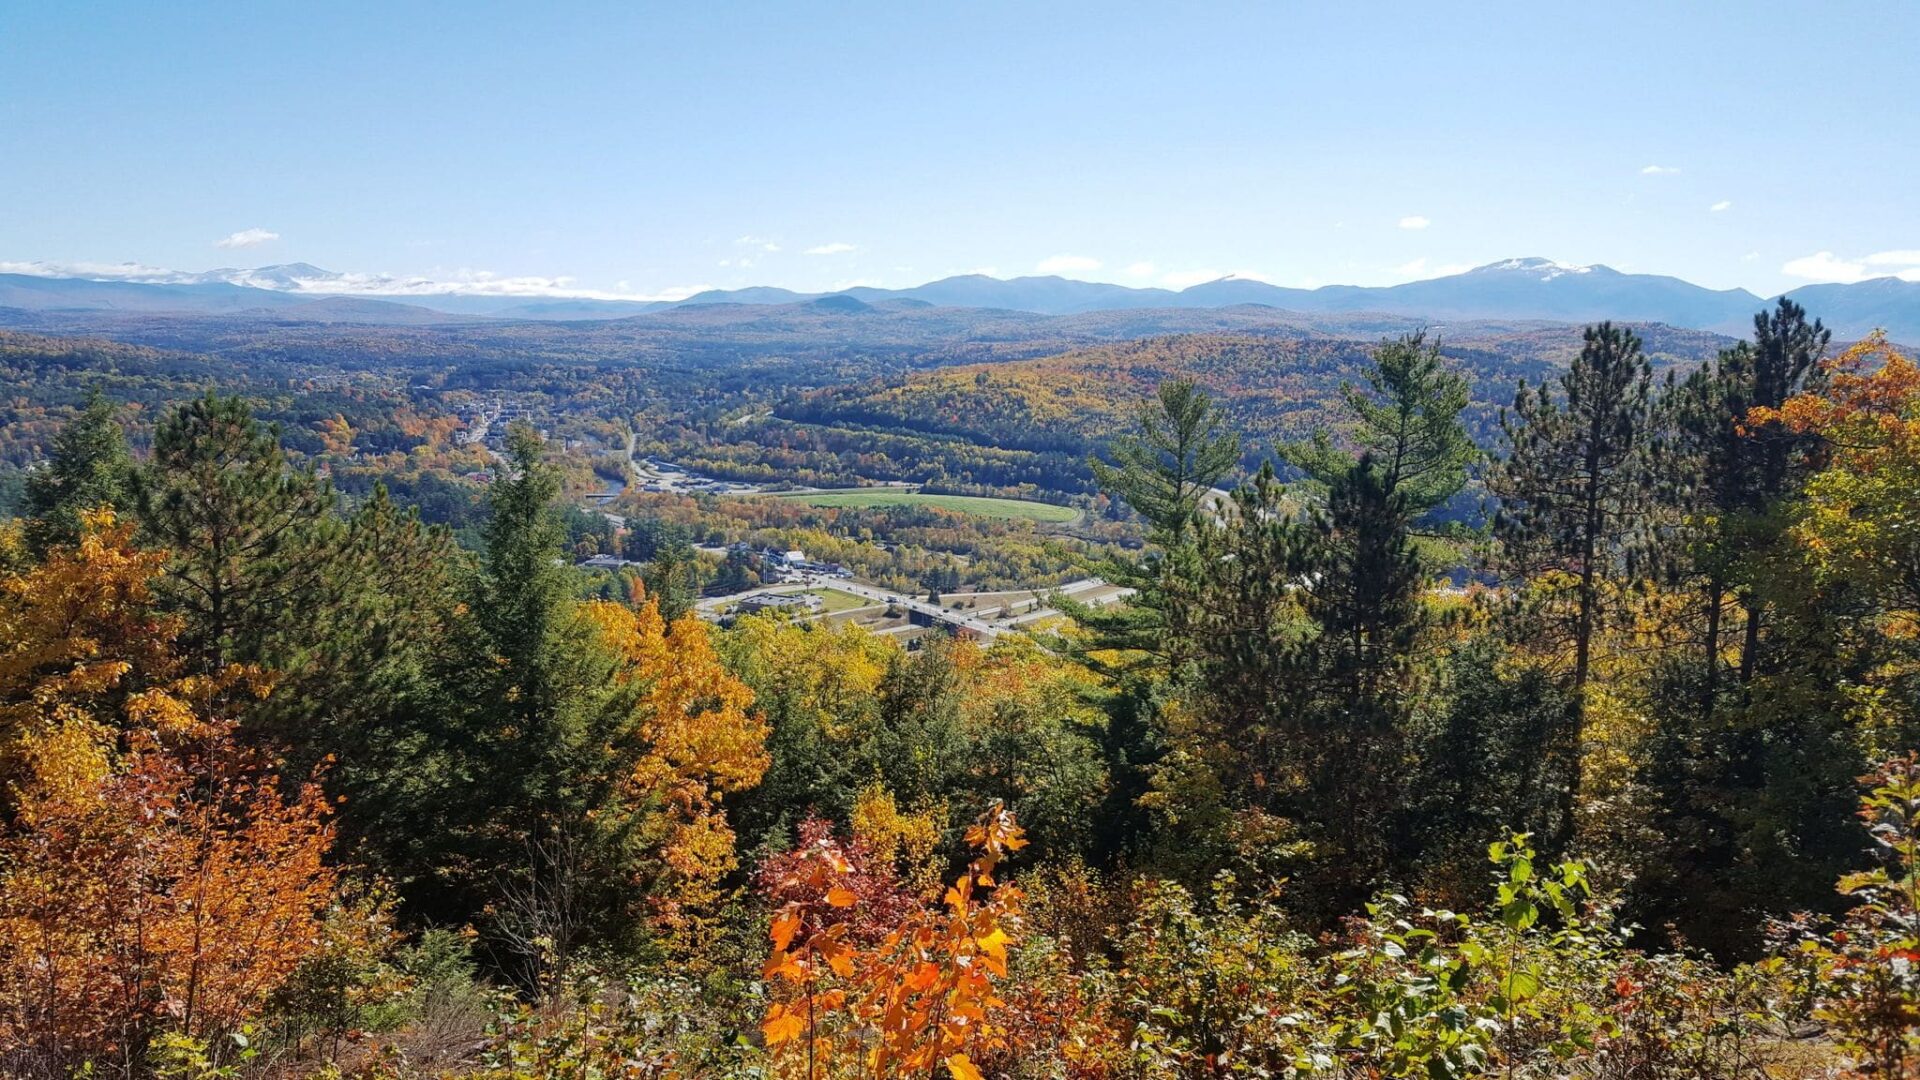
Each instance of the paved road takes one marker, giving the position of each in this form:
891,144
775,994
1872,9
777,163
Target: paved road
982,628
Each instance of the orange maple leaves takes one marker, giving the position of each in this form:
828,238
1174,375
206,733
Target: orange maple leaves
920,997
153,872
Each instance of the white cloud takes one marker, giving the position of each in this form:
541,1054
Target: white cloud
1825,266
95,271
1186,279
1142,269
1414,221
836,248
1419,270
462,282
1659,170
761,242
247,238
1066,264
1723,204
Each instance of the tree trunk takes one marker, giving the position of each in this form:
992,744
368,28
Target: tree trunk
1750,648
1716,599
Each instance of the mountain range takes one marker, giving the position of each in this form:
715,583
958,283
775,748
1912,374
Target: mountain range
1515,289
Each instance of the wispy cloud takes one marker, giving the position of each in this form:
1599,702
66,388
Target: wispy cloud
93,271
1414,221
1187,279
761,242
1660,170
838,247
1419,270
1141,269
247,238
1723,204
1066,264
1825,266
460,282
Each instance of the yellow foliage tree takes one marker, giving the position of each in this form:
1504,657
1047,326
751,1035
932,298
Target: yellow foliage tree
701,744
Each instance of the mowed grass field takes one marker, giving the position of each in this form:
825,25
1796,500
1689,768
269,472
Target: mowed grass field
1046,513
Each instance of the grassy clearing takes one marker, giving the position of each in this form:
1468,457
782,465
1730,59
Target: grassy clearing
840,601
1046,513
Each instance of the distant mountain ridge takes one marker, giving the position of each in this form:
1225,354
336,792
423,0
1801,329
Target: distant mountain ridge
1518,289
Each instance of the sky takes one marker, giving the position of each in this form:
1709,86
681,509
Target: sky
652,150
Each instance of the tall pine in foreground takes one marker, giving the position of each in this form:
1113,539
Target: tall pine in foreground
1573,489
1164,471
253,539
1754,735
1574,494
1407,422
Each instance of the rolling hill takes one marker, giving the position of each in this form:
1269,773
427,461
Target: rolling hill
1511,289
1273,388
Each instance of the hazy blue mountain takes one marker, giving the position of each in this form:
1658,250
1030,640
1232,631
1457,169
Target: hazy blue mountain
1886,303
758,294
52,294
1513,289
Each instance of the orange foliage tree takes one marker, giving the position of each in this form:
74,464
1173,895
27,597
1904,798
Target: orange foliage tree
154,875
923,996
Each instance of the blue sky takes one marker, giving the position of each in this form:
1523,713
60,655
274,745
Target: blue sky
638,149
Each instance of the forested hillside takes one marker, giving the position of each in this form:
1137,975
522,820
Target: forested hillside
296,785
1059,409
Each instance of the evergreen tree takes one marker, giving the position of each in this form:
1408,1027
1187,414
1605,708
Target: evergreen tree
1407,421
673,579
1574,493
252,538
1165,470
1574,488
89,468
1496,759
1729,477
1364,592
543,835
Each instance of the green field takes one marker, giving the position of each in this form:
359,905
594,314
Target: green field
969,504
840,601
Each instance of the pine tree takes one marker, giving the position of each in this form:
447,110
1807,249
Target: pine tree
88,469
1166,469
673,579
1574,494
1365,591
1574,487
1407,422
544,835
252,538
1728,475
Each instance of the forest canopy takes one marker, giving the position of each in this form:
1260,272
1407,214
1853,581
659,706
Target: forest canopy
295,781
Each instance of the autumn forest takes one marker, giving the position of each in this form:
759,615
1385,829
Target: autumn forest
1565,734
